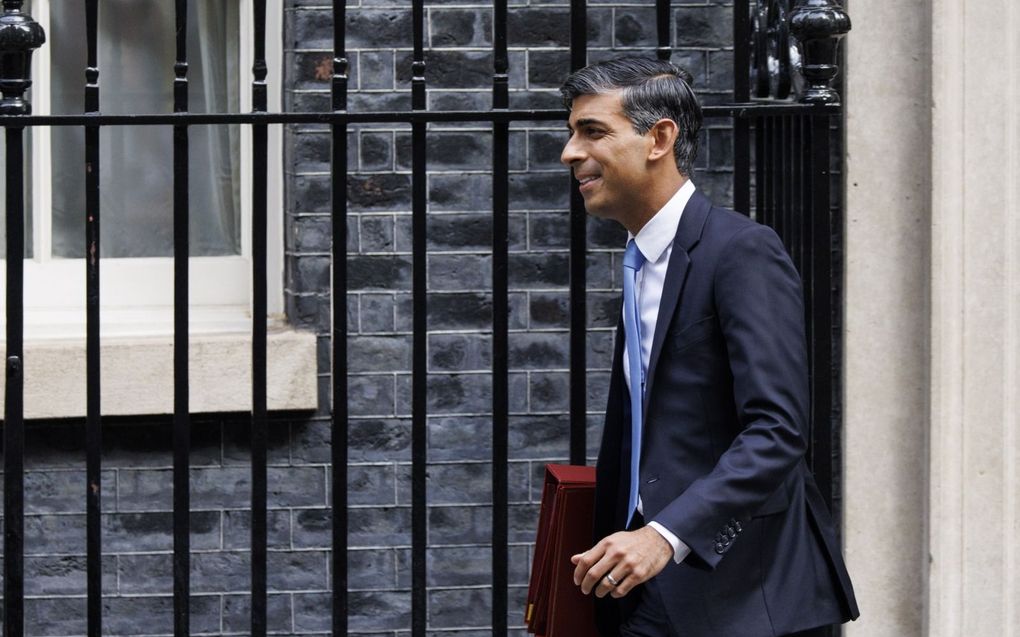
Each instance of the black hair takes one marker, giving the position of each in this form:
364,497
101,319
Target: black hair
651,90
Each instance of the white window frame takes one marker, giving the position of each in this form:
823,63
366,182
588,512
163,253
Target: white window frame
136,294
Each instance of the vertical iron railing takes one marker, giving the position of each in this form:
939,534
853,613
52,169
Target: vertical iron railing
500,324
22,35
419,361
741,94
818,25
259,220
663,22
789,181
14,422
182,419
338,379
578,267
93,420
820,302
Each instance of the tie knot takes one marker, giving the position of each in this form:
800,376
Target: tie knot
632,257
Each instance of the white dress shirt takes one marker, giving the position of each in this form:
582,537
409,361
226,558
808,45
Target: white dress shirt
655,241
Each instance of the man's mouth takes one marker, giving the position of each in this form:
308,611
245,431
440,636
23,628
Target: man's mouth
587,183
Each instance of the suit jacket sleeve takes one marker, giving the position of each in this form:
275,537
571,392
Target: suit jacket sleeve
758,301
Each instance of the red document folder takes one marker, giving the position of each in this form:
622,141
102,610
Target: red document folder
557,608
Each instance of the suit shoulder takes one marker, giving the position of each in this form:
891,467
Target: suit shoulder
723,225
740,244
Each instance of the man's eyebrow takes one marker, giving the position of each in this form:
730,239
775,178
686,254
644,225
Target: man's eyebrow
587,121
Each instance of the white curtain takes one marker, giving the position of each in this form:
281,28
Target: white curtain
136,59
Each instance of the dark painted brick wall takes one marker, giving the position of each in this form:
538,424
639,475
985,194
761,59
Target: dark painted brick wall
458,71
137,460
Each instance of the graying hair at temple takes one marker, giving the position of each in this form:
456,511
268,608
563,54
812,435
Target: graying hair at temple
651,90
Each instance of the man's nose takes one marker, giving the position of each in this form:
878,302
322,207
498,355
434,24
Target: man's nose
571,152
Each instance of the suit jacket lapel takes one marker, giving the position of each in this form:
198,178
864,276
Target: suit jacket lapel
614,452
688,232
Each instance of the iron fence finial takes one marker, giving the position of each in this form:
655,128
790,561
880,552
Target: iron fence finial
20,35
818,25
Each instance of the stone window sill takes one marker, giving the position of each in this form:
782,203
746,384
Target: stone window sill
137,374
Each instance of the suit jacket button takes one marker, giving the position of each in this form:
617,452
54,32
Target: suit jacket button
719,549
738,527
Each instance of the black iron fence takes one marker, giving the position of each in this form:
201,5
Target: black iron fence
781,166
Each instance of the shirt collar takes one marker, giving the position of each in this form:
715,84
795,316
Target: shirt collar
656,235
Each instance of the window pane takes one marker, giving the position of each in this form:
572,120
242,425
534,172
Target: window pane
136,59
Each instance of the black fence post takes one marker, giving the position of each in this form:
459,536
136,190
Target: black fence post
93,420
259,246
339,418
818,25
419,363
578,268
20,35
182,417
741,93
500,324
663,27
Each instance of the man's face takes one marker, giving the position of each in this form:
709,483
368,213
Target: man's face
608,158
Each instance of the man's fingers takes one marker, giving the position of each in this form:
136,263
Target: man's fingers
626,572
595,579
627,584
585,561
624,588
630,557
606,586
595,563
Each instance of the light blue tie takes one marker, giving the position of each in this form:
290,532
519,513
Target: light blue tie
632,262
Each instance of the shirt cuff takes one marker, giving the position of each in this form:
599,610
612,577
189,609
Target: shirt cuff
680,550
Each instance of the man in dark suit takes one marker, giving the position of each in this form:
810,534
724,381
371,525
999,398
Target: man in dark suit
714,527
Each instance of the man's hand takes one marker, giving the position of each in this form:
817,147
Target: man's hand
629,557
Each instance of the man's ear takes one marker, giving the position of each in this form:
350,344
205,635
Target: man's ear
663,134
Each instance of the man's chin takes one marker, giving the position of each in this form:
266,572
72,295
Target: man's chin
595,210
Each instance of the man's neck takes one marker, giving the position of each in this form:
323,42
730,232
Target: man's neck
660,191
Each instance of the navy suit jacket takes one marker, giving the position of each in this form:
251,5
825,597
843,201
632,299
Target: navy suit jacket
726,414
